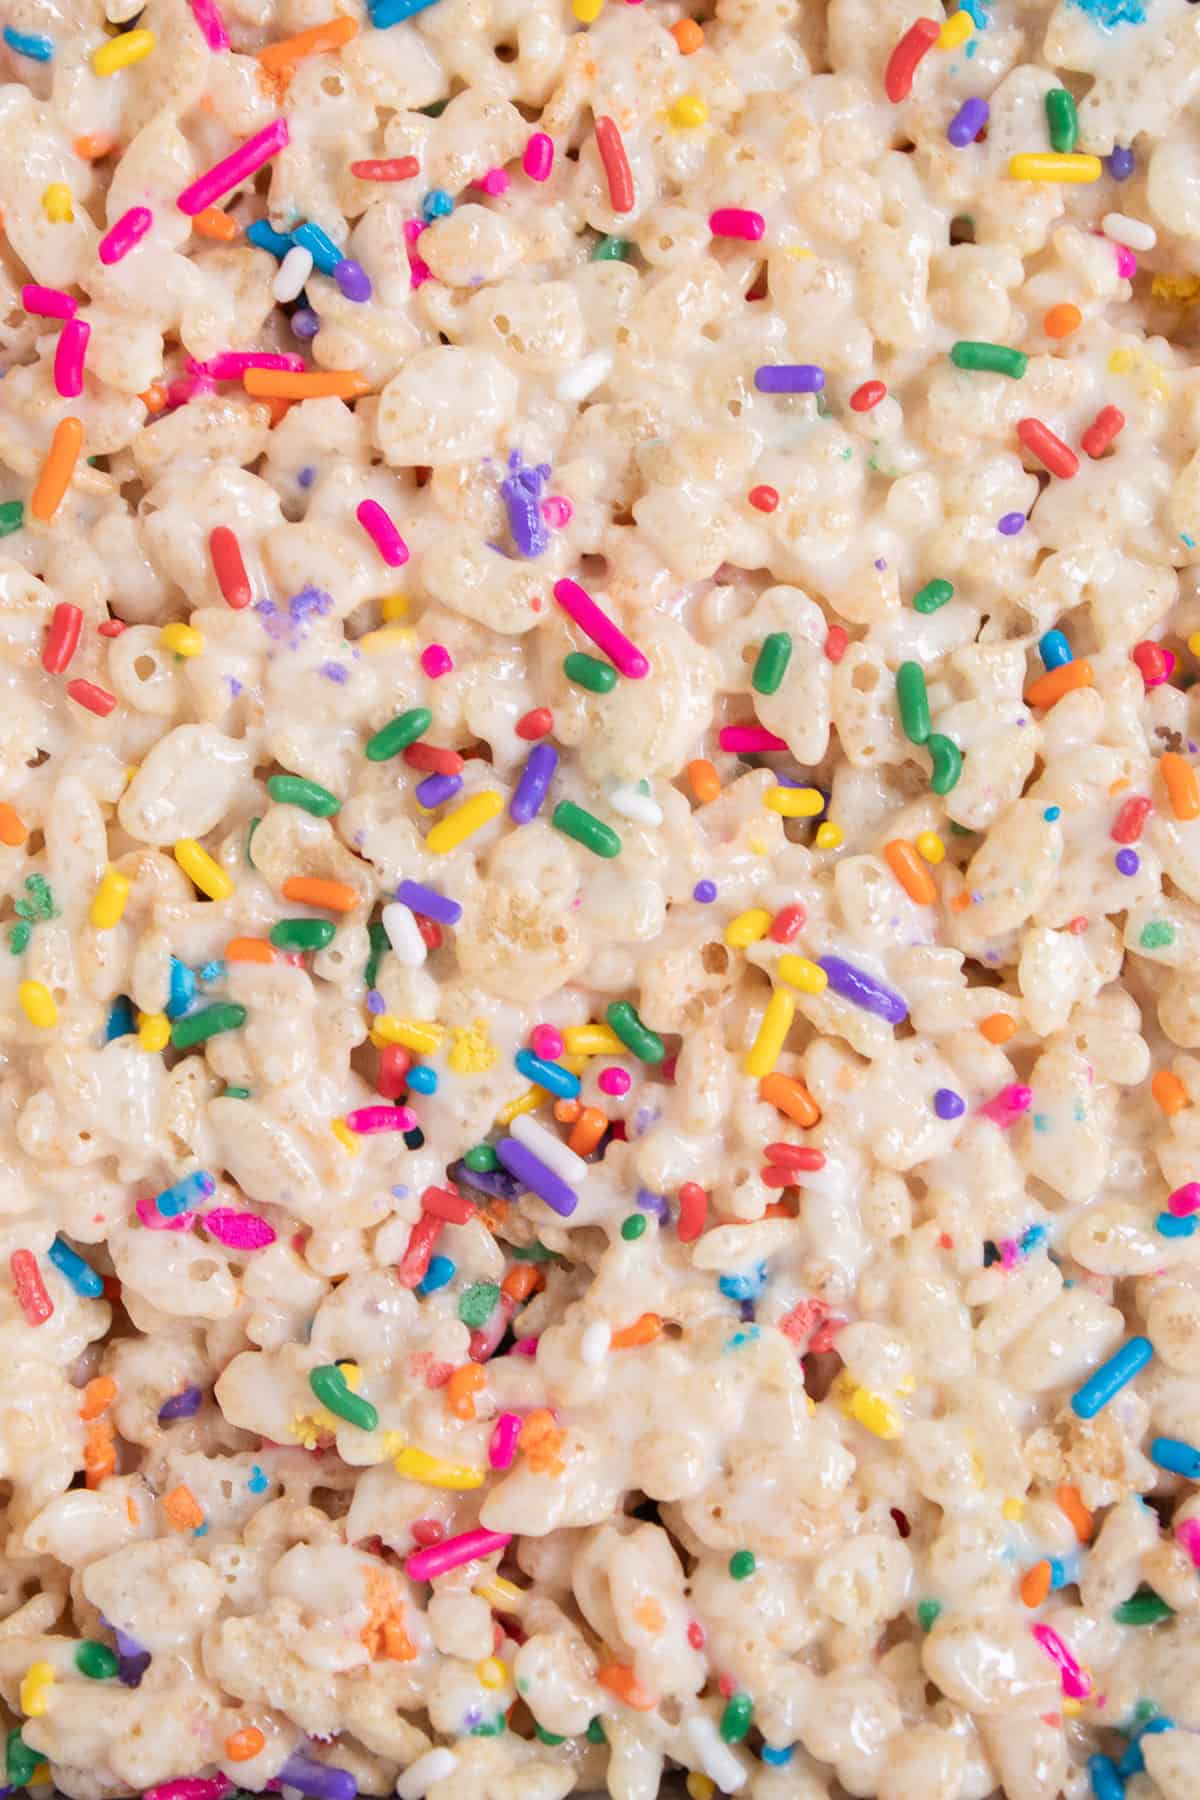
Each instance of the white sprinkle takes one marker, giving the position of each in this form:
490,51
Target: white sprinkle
716,1758
552,1151
594,1345
294,271
420,1776
1135,234
631,803
403,934
578,382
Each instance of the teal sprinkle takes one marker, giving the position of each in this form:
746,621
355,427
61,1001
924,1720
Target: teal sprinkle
1109,13
742,1337
1157,935
1041,1122
927,1612
478,1303
1189,541
978,12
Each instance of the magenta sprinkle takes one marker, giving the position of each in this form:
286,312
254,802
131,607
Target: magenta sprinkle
436,661
190,1787
613,1080
546,1041
235,168
502,1446
557,511
1006,1107
736,222
469,1546
596,624
418,271
239,1230
1185,1199
1187,1533
48,302
382,533
147,1211
1126,262
212,25
231,365
69,353
749,738
525,1347
369,1119
129,230
494,182
1075,1683
538,159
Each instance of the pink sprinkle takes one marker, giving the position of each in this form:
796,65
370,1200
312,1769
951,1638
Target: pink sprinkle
469,1546
749,737
436,660
230,365
524,1347
69,353
1185,1199
190,1787
614,1080
129,229
495,181
538,159
1126,262
48,302
147,1211
369,1119
1006,1107
235,168
1075,1683
1010,1253
239,1230
503,1445
418,271
597,625
736,222
1187,1533
382,533
557,511
212,25
547,1041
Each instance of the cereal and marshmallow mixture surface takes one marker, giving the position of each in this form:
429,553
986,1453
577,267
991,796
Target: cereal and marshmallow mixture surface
600,876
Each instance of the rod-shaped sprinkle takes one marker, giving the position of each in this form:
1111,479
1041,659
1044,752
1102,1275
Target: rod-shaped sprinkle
533,1174
129,230
235,168
69,353
863,990
452,1553
534,783
596,624
1111,1377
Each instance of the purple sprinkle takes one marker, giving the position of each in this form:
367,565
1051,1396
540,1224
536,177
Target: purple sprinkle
880,563
353,280
654,1203
183,1405
863,990
133,1658
486,1181
235,686
1128,862
307,476
1011,523
533,1174
705,892
419,898
310,603
376,1003
333,671
1121,163
967,122
304,322
317,1779
535,779
789,378
435,790
949,1105
520,495
745,1310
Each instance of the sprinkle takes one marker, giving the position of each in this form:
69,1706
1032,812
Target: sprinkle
955,30
800,972
1130,821
435,1766
704,781
368,1121
226,557
617,172
864,990
464,822
902,64
791,1098
550,1075
789,378
586,829
29,1288
913,702
763,499
1184,1200
904,862
624,1021
737,222
1006,1107
788,922
69,353
1049,688
56,203
181,640
427,900
549,1149
309,796
241,1746
739,1710
329,1385
1105,1778
589,672
996,359
403,730
868,396
38,1004
200,868
771,664
933,596
62,639
968,121
311,890
211,1022
1111,1377
1044,166
689,37
122,237
747,928
1075,1683
1179,1457
13,829
1009,524
1062,320
749,740
452,1553
30,44
1050,450
183,1405
93,699
596,624
393,168
331,34
1107,425
1054,650
1062,120
122,52
234,169
286,384
382,533
48,302
772,1034
55,475
182,1508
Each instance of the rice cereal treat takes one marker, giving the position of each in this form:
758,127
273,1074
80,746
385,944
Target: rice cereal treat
600,860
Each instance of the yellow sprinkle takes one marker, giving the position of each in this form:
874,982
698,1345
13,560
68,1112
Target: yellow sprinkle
56,203
529,1101
592,1040
309,1428
391,637
868,1409
422,1035
108,902
345,1137
395,606
794,803
154,1031
955,31
700,1787
1072,1708
200,869
504,1595
798,252
687,111
464,822
1121,361
181,640
1013,1510
1050,165
587,10
747,928
491,1672
1193,643
473,1050
828,836
37,1003
772,1034
122,52
40,1774
36,1683
434,1471
800,973
929,844
351,1375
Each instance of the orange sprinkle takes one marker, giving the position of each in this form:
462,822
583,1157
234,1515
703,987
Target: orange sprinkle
567,1112
960,901
309,384
522,1281
93,145
705,782
154,398
383,1634
131,1511
310,890
541,1442
13,829
98,1396
279,410
58,468
649,1615
99,1452
183,1509
791,1098
910,871
1168,1091
643,1331
1062,320
997,1028
589,1130
1051,686
1122,781
241,1745
620,1680
213,223
1035,1584
1179,779
688,35
248,949
330,35
465,1381
1069,1502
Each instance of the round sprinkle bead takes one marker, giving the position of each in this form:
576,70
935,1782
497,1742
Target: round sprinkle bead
742,1564
949,1105
705,892
614,1080
763,499
633,1227
1128,862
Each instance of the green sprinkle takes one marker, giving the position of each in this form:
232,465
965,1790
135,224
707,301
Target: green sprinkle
1143,1608
478,1303
947,762
644,1043
735,1720
596,1733
771,666
547,1737
1063,120
302,934
932,597
18,938
633,1227
236,1093
404,730
996,359
742,1564
610,249
927,1612
12,517
40,904
329,1385
96,1661
379,943
1145,1709
198,1027
495,1729
310,796
481,1158
532,1253
586,829
254,825
589,672
22,1761
913,702
1157,935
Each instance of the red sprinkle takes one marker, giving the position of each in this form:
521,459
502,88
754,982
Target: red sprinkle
97,700
427,1532
394,1063
1078,925
697,1637
30,1289
1128,824
535,724
1050,451
1151,660
901,1521
228,567
111,628
794,1156
430,930
667,1068
788,922
433,761
763,499
414,1264
616,165
837,639
447,1206
867,396
1108,424
62,639
916,43
693,1210
388,168
726,1686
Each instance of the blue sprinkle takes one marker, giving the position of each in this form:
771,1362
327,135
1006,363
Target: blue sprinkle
551,1075
320,246
978,12
743,1337
121,1021
705,892
1051,813
1173,1454
390,12
1189,541
212,971
1169,1225
439,1274
437,204
185,1193
201,1530
263,237
28,43
777,1758
1106,1783
1031,1236
1054,650
1121,163
423,1079
1111,1377
745,1285
183,989
258,1483
949,1105
1041,1122
1108,14
82,1277
1133,1762
304,322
